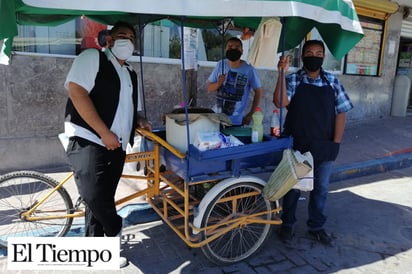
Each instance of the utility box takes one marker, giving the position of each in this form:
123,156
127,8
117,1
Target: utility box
400,97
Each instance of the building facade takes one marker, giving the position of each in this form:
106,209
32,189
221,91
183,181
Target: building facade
33,98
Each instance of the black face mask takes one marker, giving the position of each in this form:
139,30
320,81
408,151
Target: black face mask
312,63
233,54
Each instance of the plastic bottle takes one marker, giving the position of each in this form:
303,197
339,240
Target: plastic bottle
275,124
257,127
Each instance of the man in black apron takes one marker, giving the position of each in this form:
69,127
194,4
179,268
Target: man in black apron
317,104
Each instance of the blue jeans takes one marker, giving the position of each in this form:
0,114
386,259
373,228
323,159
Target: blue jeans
317,199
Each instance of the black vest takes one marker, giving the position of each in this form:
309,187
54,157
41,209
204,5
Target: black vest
105,97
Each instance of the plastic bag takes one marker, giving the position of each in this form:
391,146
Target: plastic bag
207,141
287,174
305,183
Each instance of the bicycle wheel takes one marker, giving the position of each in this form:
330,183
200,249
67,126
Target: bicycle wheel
237,200
19,192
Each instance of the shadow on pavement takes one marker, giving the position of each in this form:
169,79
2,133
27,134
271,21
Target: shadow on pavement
371,232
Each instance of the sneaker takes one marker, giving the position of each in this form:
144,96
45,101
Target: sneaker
321,236
123,262
285,234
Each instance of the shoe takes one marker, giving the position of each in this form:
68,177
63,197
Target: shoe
321,236
123,262
285,234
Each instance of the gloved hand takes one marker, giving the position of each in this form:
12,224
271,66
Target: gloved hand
334,151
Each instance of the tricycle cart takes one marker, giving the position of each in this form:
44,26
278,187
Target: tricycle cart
212,199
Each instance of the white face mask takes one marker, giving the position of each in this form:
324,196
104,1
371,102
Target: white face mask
123,49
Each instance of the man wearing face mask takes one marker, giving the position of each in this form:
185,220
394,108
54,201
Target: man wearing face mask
232,79
317,104
101,116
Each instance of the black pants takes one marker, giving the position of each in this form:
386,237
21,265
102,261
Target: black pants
97,172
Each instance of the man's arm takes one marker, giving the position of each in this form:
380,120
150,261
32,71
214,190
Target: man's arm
282,65
86,109
255,104
216,85
340,122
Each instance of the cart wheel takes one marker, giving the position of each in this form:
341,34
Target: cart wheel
236,200
19,192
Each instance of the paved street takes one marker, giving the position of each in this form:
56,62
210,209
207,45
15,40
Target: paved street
370,217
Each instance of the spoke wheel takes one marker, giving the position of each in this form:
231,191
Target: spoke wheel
236,201
20,191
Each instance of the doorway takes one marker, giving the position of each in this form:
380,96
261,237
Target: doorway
405,65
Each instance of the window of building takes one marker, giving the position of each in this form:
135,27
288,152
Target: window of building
67,39
160,39
365,58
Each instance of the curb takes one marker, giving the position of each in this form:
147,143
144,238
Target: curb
359,169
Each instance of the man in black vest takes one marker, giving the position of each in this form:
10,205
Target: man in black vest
101,116
317,104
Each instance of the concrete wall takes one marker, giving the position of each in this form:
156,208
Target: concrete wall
32,100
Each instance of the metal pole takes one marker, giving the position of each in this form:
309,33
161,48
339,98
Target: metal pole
282,72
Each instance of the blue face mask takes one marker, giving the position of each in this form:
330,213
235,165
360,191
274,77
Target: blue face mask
312,63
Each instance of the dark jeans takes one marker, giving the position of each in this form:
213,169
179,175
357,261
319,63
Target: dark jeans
317,199
97,172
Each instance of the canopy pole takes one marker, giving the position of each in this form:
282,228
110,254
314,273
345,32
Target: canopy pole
141,67
185,103
222,31
182,48
182,39
282,72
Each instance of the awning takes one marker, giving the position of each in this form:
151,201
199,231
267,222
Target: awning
379,9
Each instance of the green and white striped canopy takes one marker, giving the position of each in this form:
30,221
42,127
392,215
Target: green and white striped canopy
336,20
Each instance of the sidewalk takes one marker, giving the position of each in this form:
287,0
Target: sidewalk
369,209
373,147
